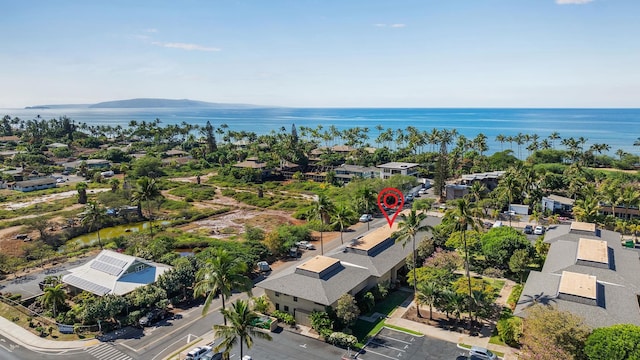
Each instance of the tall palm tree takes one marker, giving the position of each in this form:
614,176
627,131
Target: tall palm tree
428,294
342,216
54,296
409,226
93,217
366,199
461,217
82,192
322,210
239,330
145,191
220,274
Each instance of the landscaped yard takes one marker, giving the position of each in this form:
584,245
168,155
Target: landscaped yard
363,329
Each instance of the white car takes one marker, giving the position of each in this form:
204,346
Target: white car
305,245
198,353
477,352
539,230
366,218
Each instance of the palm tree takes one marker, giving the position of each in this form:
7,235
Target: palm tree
342,216
240,330
411,224
428,294
54,296
461,217
93,217
322,210
221,274
146,190
115,184
366,199
82,192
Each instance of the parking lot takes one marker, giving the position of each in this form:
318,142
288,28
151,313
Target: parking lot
397,345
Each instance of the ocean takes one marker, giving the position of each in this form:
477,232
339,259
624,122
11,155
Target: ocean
618,128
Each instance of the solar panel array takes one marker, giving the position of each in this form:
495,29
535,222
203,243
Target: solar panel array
86,285
109,264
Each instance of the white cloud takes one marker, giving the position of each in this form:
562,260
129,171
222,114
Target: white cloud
574,2
185,46
390,25
152,30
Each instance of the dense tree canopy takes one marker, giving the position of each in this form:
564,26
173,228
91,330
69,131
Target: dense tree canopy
617,342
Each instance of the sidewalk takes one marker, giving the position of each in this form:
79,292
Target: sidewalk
32,341
451,336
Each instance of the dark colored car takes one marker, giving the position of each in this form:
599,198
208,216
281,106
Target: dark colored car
152,316
528,229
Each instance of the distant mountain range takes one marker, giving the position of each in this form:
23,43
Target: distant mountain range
149,103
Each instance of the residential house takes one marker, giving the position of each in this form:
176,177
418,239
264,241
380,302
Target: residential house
398,168
557,204
33,185
345,172
589,273
92,164
254,163
113,273
319,282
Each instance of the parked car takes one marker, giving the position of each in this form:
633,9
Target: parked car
422,191
477,352
198,353
247,357
152,316
528,229
408,198
212,356
305,245
263,266
366,218
539,230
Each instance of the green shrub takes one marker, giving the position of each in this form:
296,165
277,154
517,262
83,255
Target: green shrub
284,317
514,296
510,330
342,340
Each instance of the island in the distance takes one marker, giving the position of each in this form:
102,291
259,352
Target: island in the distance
150,103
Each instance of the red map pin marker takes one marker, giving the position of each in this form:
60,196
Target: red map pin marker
390,199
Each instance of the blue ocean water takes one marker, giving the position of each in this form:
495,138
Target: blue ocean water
617,127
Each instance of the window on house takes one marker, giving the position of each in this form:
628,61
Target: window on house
295,298
277,293
286,308
277,306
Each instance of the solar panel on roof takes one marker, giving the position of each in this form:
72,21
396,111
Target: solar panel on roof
112,261
86,285
106,268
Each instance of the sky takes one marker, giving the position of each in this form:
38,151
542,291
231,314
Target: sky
323,53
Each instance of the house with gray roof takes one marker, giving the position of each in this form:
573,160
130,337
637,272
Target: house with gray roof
34,184
113,273
589,273
371,259
398,168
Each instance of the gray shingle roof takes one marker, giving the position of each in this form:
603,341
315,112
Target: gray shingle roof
618,285
323,291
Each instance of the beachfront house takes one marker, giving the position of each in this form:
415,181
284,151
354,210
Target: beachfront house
372,259
113,273
589,273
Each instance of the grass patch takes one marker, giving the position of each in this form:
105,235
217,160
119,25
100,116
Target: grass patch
403,329
195,192
495,283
